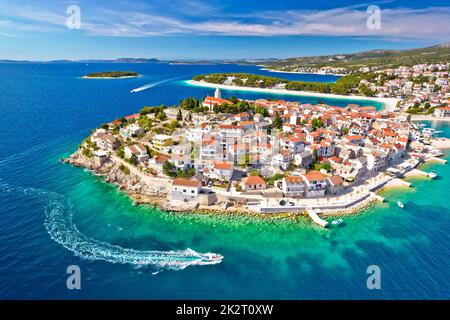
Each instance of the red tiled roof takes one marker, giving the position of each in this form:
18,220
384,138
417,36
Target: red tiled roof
186,182
293,179
253,180
223,165
314,176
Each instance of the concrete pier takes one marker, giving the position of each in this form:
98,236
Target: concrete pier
437,160
401,182
378,197
313,215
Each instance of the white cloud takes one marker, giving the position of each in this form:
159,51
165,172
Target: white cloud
200,18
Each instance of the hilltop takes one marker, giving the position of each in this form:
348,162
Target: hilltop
378,58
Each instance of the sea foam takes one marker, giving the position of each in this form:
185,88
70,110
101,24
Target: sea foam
60,226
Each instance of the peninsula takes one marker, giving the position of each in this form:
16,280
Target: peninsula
112,75
260,157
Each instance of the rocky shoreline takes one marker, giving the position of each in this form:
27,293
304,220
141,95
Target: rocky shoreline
129,183
143,194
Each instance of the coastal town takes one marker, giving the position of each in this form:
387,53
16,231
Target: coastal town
260,156
422,89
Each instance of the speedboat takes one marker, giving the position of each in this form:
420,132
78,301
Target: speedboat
432,174
337,222
401,205
211,257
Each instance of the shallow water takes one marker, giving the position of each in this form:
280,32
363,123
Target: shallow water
47,110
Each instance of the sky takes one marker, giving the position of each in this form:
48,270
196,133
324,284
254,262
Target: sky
213,29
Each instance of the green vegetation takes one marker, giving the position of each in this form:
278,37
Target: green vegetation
320,166
169,169
345,85
121,152
87,152
186,173
179,115
277,123
317,123
271,180
133,160
373,58
112,74
124,169
192,104
158,111
426,108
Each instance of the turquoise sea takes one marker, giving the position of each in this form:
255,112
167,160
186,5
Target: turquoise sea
53,215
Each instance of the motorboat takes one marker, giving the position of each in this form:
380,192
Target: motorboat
211,257
337,222
401,205
432,174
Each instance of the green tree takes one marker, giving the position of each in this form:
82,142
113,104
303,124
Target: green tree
169,169
314,157
317,123
134,159
277,123
161,115
179,115
120,152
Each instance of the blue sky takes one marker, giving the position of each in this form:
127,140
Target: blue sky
227,29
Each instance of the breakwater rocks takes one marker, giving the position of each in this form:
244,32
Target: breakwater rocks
355,209
126,181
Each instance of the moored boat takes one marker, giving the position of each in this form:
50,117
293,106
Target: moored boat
337,222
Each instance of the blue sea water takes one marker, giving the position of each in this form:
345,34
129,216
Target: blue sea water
53,215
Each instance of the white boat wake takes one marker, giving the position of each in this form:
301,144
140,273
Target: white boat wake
59,224
153,84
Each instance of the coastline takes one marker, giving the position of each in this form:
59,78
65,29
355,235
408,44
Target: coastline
144,193
296,72
429,118
389,103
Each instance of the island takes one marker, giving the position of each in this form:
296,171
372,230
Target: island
112,75
265,158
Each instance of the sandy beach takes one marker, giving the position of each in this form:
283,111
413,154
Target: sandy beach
389,103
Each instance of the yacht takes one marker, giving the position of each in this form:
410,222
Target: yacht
432,174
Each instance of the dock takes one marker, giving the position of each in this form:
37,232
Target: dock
313,215
437,160
377,197
404,183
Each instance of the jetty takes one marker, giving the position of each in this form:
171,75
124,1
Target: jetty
436,159
400,182
313,215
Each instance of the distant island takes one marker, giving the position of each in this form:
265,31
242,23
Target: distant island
112,75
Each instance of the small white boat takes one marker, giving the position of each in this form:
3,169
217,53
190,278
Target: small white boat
401,205
337,222
432,174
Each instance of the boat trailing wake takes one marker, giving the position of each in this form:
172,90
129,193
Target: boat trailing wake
59,224
153,84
